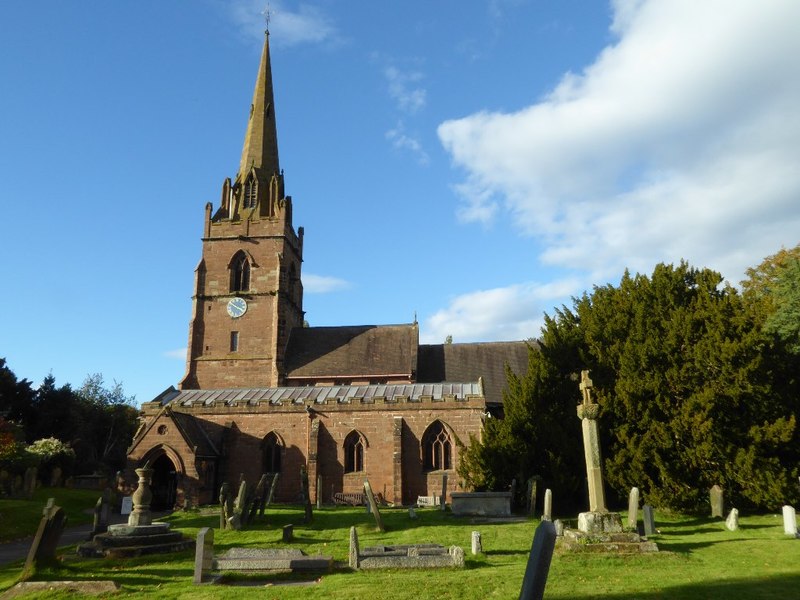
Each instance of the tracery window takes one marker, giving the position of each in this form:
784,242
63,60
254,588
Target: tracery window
353,453
437,448
250,193
272,453
240,273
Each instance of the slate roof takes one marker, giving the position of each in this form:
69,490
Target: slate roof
467,362
343,394
371,351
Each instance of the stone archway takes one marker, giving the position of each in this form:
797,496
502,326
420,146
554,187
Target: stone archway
164,483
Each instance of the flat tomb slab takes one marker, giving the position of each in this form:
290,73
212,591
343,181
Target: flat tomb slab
481,504
270,559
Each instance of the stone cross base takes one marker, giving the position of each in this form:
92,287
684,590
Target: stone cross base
599,522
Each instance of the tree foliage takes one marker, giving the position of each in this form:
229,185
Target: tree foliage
689,387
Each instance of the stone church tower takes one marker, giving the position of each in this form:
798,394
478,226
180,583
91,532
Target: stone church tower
248,295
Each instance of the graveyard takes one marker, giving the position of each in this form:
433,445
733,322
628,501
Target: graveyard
698,557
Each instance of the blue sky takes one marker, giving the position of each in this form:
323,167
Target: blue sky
475,164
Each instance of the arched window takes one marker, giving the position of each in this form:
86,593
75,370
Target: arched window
437,448
250,193
353,453
240,273
272,453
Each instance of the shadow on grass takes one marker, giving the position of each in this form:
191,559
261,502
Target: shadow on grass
689,547
775,587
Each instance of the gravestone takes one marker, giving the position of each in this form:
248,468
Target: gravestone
288,533
559,527
257,498
513,490
544,541
477,546
102,514
789,520
715,496
271,494
353,555
732,522
43,548
533,488
373,506
308,513
224,496
649,520
633,508
127,505
203,554
29,484
412,513
55,477
319,492
547,512
444,491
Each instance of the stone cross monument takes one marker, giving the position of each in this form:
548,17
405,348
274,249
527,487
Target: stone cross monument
598,519
588,412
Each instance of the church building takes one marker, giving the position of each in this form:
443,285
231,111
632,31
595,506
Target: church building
264,393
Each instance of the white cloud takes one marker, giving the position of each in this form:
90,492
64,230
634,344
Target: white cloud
409,97
179,354
679,141
510,313
320,284
404,141
307,24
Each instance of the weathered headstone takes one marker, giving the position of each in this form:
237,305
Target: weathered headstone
272,487
513,490
43,548
29,484
412,514
533,488
544,541
715,496
319,492
477,546
559,527
547,512
649,520
224,495
102,514
308,514
354,549
633,508
288,533
203,554
373,505
444,491
126,506
55,477
257,499
789,520
140,515
732,522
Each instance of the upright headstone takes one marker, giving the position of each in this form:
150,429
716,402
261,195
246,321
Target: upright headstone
126,506
732,522
43,548
29,485
649,520
412,514
513,490
354,550
544,541
102,514
257,499
477,547
559,527
271,491
288,533
444,491
633,508
224,494
319,492
533,487
789,521
715,496
373,506
140,515
547,512
55,477
203,554
308,514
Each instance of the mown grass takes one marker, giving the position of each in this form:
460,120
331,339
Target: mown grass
20,518
699,558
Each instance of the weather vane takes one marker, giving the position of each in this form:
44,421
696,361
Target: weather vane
266,13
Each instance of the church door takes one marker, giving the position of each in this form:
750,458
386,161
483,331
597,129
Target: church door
164,484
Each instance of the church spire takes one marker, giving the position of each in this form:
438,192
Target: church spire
261,139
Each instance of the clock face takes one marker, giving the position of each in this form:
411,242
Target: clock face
237,307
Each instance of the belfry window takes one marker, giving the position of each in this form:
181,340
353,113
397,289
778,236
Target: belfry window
271,453
353,453
250,193
437,448
240,273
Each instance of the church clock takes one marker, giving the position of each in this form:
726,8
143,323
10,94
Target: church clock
237,307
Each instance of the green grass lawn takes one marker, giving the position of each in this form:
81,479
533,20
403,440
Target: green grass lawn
20,518
699,558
